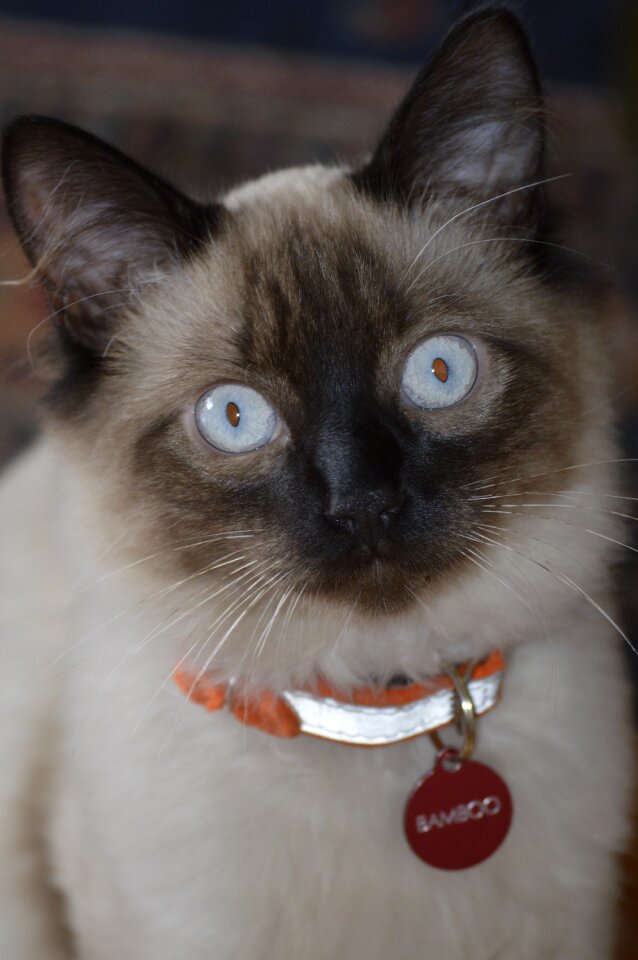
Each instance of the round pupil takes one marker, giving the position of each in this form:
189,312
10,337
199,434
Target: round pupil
440,369
233,414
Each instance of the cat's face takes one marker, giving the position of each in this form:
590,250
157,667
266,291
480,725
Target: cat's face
317,376
365,460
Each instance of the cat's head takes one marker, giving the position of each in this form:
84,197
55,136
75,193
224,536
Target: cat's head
309,387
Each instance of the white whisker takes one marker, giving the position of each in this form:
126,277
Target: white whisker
159,630
566,523
563,578
500,239
504,583
478,206
571,506
483,484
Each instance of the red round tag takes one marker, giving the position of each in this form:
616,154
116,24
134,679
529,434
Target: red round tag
456,818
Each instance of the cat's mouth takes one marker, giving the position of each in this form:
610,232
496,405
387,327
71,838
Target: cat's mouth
391,584
385,571
379,587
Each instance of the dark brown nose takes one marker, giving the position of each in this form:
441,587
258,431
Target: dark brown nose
367,516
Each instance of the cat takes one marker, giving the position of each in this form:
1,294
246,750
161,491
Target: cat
343,426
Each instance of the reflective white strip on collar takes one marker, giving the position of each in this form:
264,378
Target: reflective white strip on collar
377,726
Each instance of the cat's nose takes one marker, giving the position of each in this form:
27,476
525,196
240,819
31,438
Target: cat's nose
367,516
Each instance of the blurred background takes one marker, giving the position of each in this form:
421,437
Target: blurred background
208,93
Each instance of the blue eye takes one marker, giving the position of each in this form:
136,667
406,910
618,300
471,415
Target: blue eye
440,372
235,419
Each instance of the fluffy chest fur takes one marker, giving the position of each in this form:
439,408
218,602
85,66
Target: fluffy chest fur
340,424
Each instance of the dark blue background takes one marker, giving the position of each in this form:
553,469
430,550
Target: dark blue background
575,39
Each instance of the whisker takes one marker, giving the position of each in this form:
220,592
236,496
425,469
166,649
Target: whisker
141,609
75,303
566,523
46,674
345,626
483,484
254,592
270,585
196,643
283,635
572,506
505,584
209,660
172,549
249,589
501,239
269,627
160,629
523,576
563,578
162,687
574,495
478,206
495,530
431,614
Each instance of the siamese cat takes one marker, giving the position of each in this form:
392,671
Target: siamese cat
338,429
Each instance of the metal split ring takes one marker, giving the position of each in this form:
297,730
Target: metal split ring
466,715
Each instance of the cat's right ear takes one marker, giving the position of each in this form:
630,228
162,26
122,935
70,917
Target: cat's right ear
470,128
94,223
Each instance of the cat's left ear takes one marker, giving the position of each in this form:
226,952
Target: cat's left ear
470,127
94,223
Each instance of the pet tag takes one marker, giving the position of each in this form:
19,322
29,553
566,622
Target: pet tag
459,814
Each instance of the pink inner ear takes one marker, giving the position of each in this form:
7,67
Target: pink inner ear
493,155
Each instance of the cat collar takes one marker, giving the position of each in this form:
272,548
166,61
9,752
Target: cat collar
366,717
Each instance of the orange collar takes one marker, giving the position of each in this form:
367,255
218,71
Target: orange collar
367,716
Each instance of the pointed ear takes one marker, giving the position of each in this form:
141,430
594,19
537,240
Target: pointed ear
93,222
471,125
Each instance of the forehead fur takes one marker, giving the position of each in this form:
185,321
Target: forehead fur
305,253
